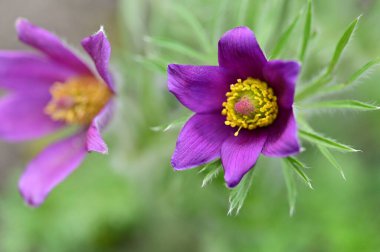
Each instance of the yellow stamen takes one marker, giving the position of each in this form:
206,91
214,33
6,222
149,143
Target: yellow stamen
250,104
78,100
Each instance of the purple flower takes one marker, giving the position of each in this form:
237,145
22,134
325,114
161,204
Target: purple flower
48,91
243,107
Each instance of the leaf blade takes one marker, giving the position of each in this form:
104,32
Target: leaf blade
329,156
342,104
290,186
307,30
342,43
176,47
294,163
239,194
285,37
318,139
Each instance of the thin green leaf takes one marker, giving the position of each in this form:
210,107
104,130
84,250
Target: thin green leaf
326,77
154,64
313,88
364,69
175,124
195,25
290,186
354,77
176,47
239,193
213,169
329,156
298,169
285,37
220,15
242,14
307,30
341,45
342,104
317,139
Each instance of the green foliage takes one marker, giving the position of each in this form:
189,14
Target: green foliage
298,169
212,171
173,125
342,104
280,46
307,30
341,46
326,77
318,139
328,155
239,193
290,186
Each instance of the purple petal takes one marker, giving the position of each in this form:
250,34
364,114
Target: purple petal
241,54
51,167
202,89
28,73
200,141
95,141
23,118
50,45
282,77
239,154
282,138
99,48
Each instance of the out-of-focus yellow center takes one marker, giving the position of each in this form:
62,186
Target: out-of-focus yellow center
78,100
250,104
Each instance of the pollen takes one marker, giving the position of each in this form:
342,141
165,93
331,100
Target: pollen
78,100
250,104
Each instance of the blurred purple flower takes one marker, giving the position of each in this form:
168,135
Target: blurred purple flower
48,91
245,92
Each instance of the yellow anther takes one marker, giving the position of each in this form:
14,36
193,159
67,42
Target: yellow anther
78,100
250,104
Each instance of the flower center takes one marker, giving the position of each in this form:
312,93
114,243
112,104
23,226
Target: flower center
250,104
78,100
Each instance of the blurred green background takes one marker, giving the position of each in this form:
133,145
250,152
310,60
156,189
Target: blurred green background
132,200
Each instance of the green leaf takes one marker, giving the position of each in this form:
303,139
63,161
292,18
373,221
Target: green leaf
359,73
307,30
285,37
196,26
213,169
220,16
326,77
242,14
239,193
355,76
290,186
154,64
298,169
176,47
329,156
342,104
341,45
175,124
318,139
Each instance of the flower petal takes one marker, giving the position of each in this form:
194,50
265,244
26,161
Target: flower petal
241,54
282,138
50,45
99,48
202,89
23,118
200,141
51,167
282,77
28,73
95,141
239,154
